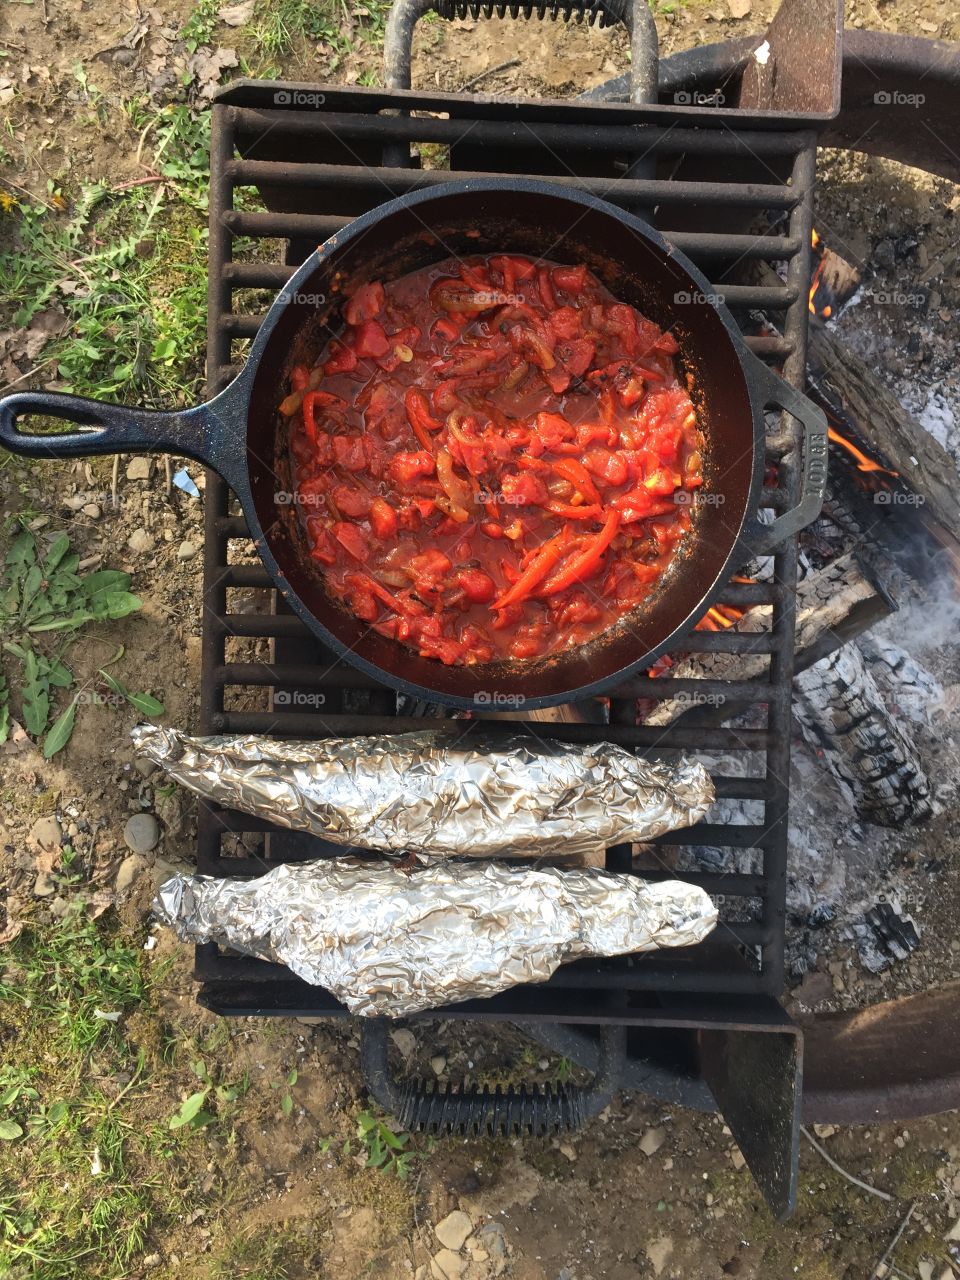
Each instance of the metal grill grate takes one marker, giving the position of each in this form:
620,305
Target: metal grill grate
720,194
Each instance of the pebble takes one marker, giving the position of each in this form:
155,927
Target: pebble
447,1265
737,1158
140,541
405,1041
658,1251
92,510
491,1238
130,868
144,766
141,832
438,1064
138,469
187,550
44,885
652,1141
152,1260
453,1230
75,502
47,832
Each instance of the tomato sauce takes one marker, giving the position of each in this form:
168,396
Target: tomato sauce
495,459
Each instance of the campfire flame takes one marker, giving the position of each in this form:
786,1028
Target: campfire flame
816,280
864,463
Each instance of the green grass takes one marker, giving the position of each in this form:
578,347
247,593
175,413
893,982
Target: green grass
281,25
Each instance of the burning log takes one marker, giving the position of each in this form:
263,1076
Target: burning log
883,425
844,716
833,603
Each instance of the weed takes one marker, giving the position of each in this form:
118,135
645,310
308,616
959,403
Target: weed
282,23
286,1102
200,25
385,1149
44,597
194,1113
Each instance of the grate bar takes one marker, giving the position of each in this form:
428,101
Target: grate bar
634,139
674,737
384,184
698,245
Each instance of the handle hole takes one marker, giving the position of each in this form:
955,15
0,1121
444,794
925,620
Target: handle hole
36,423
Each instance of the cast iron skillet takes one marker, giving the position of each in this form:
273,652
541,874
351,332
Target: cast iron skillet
240,434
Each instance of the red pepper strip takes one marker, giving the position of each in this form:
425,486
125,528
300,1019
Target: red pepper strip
568,512
579,477
381,593
535,572
586,561
299,377
420,417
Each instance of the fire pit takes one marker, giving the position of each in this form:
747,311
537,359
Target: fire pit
704,1026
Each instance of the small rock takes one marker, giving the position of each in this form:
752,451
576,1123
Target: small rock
44,885
925,1270
144,767
140,541
47,832
138,469
141,832
824,1130
658,1251
59,907
92,510
75,502
447,1265
736,1158
405,1041
163,870
152,1260
492,1239
652,1141
567,1150
453,1230
439,1064
954,1232
130,869
187,550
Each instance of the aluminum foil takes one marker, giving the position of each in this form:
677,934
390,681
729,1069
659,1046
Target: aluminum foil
441,793
389,942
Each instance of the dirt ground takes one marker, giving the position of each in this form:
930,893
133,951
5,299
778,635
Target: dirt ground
266,1188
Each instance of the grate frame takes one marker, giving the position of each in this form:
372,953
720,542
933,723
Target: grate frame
315,169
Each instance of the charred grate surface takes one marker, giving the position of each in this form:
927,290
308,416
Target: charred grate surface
723,196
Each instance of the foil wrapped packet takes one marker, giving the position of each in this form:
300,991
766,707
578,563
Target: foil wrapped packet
444,792
389,942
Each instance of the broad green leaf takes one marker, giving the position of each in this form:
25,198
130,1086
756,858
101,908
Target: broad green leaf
286,1104
36,707
31,586
17,650
114,604
60,731
9,1096
189,1110
145,703
56,1112
105,580
113,683
395,1140
61,676
23,549
292,1077
64,624
9,1129
58,549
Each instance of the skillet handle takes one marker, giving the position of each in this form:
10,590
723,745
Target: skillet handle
211,433
770,389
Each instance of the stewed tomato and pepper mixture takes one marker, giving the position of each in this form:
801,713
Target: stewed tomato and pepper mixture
495,459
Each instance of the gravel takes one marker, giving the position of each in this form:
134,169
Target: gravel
141,832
